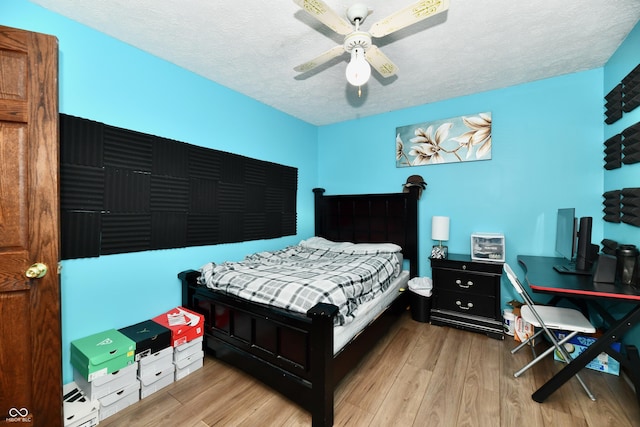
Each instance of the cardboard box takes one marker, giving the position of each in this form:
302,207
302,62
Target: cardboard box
107,384
156,362
191,327
156,380
116,402
576,345
102,354
79,411
185,350
150,337
522,330
189,364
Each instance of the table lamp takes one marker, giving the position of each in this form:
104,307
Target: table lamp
439,232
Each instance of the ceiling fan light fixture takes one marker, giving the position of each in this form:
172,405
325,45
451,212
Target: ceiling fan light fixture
358,70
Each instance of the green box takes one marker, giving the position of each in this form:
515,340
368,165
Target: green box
102,353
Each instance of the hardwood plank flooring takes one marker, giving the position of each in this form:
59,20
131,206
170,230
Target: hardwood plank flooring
418,375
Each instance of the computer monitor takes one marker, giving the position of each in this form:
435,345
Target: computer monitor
566,233
574,240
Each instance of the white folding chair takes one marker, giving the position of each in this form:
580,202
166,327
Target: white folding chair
547,319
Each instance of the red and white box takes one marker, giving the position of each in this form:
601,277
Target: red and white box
185,325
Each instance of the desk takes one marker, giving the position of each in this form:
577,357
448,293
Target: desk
541,277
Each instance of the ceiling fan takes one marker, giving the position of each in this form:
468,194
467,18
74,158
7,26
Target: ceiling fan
358,43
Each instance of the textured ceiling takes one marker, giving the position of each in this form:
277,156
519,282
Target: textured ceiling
251,46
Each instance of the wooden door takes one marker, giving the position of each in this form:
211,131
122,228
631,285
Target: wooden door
30,332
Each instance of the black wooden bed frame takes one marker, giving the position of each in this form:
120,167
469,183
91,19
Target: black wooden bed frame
293,352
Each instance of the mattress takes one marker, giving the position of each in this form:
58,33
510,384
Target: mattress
368,312
298,277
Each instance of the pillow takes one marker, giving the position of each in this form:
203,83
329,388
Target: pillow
357,248
322,243
372,248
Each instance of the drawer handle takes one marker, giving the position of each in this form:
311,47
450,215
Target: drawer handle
465,285
467,307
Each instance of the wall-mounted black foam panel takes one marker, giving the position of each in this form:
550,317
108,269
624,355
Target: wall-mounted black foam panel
623,148
623,98
609,246
611,206
613,105
630,206
613,152
631,142
126,191
631,92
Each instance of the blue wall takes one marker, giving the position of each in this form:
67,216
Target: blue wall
547,154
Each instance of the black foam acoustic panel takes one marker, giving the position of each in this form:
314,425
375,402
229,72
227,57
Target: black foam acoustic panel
126,191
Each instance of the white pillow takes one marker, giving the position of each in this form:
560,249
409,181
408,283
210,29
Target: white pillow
357,248
322,243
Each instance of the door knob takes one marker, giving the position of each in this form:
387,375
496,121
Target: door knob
36,271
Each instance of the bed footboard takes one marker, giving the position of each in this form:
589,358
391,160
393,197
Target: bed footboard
290,352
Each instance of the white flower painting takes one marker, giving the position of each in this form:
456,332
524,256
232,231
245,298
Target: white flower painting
459,139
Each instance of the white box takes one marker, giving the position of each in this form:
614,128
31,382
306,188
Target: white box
153,382
116,402
185,350
79,411
107,384
153,363
189,364
487,247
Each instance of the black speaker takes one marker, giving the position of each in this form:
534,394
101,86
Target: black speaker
587,252
606,269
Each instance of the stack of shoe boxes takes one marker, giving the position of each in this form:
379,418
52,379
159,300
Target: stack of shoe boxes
116,368
79,411
154,355
105,370
187,330
188,357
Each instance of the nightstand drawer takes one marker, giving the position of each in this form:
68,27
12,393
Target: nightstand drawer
462,281
466,303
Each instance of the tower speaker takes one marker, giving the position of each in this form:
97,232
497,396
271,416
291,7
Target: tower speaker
587,252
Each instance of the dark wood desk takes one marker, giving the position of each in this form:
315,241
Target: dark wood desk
541,277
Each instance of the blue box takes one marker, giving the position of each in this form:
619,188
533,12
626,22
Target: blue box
576,345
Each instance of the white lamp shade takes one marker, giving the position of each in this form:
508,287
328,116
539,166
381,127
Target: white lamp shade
440,228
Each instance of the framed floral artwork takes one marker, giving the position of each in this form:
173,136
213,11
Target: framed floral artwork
458,139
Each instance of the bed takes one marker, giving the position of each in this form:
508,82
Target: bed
297,354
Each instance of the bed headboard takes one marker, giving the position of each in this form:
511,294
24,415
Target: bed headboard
371,218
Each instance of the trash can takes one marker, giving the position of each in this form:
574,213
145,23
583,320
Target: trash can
420,298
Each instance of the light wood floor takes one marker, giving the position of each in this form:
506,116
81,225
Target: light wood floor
418,375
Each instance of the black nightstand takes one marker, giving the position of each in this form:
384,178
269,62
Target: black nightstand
466,295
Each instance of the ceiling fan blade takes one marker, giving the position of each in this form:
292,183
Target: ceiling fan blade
380,62
409,15
321,59
323,13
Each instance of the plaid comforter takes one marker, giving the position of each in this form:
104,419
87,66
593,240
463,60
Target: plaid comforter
298,277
